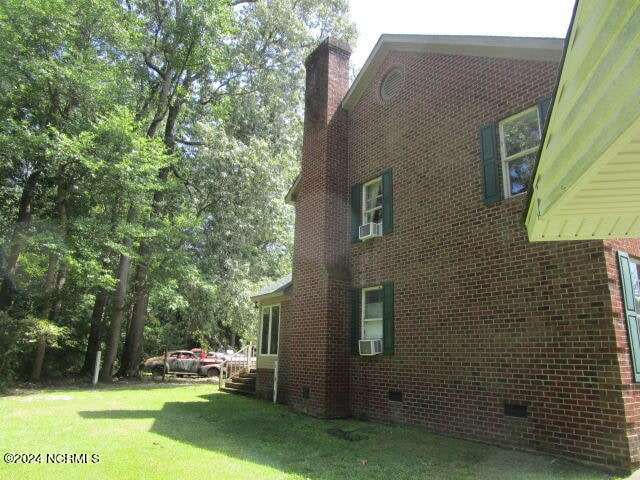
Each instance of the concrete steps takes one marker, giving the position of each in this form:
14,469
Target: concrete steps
243,384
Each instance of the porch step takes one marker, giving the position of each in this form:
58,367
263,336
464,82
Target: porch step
235,391
245,380
243,384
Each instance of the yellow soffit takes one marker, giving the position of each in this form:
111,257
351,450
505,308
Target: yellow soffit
587,182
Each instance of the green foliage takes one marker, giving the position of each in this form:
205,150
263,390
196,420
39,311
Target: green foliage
175,125
12,344
41,327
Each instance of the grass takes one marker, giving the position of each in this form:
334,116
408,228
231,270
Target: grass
158,431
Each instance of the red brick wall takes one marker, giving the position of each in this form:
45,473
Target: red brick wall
630,389
482,316
264,383
314,350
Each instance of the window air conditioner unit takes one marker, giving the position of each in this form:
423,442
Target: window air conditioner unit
370,347
370,230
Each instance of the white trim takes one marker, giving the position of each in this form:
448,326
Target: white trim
522,48
362,310
267,298
363,210
262,309
505,160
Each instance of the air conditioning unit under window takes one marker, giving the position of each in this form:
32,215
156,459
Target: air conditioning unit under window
370,347
370,230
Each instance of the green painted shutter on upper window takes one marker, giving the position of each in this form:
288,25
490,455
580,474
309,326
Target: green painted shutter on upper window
490,164
630,312
355,320
356,210
387,202
544,104
388,339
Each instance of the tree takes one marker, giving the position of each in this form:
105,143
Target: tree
198,62
146,147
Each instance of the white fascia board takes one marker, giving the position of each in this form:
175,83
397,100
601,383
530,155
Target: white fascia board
522,48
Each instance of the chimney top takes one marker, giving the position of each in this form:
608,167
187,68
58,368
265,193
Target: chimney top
331,44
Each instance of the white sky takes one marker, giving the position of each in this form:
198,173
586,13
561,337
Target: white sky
523,18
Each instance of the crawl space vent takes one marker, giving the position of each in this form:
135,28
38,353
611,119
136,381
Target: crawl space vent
519,411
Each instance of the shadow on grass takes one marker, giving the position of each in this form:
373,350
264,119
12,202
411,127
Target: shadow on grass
145,383
271,435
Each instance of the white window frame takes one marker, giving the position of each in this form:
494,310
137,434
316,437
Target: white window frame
506,180
365,211
262,311
363,309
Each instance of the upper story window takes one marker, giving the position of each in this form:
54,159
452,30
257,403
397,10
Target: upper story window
372,201
520,137
372,208
519,142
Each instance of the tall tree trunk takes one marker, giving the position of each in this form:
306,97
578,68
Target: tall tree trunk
60,281
49,286
95,331
38,360
135,333
45,311
62,199
132,349
117,313
24,218
51,302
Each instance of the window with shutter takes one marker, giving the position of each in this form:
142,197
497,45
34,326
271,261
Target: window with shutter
519,142
519,138
372,316
372,299
372,208
630,280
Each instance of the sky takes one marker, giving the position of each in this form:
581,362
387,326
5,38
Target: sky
523,18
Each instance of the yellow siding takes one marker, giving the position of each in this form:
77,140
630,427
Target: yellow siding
588,178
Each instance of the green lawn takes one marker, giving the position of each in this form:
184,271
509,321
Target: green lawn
149,431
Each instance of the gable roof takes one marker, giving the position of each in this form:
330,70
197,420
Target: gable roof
292,194
523,48
276,288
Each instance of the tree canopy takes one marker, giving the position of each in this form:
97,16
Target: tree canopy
146,147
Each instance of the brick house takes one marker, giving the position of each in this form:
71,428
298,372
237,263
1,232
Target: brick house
417,298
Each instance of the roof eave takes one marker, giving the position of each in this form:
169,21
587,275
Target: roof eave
540,49
292,195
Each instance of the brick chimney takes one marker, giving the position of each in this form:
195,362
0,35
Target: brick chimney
314,356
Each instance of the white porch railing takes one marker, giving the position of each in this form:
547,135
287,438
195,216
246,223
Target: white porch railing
241,361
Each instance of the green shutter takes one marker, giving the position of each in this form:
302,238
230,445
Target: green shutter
387,202
544,104
387,320
490,164
356,210
630,312
355,320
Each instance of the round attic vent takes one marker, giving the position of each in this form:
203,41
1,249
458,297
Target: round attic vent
391,84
